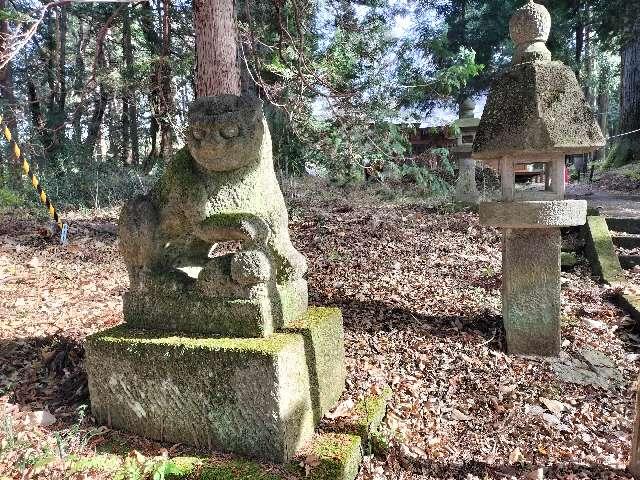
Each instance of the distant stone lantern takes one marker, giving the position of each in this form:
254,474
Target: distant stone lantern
536,113
467,124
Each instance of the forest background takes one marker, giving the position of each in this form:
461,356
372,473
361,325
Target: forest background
96,92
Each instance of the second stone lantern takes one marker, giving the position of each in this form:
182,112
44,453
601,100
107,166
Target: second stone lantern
536,113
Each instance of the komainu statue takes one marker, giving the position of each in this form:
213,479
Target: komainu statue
208,248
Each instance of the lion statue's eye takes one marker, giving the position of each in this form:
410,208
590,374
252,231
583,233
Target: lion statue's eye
229,131
197,133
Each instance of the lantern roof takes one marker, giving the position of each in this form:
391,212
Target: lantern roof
536,106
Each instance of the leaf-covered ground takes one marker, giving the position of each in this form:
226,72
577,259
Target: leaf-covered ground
420,293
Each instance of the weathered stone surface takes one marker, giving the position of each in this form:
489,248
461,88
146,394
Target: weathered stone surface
534,214
531,290
323,336
588,367
222,188
267,309
259,397
529,28
534,108
601,251
466,189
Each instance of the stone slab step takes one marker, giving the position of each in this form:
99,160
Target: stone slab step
601,252
626,241
631,304
629,261
628,225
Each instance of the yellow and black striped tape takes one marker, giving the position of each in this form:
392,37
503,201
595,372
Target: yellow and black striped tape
27,171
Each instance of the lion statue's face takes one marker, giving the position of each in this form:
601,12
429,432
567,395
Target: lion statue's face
225,132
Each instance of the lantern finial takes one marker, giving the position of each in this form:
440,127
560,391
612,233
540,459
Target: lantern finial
529,29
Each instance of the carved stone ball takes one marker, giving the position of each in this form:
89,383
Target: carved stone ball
530,23
250,267
225,132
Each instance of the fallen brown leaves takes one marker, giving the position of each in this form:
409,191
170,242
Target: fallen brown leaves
419,291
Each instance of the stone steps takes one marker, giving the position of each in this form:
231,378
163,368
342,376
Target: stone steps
627,238
626,241
628,225
629,261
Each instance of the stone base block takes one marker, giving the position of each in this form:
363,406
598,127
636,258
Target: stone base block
531,290
258,316
259,397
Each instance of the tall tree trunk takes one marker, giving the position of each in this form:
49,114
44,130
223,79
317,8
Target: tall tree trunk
217,69
160,89
628,148
579,36
37,117
129,154
7,97
166,90
62,59
99,107
78,83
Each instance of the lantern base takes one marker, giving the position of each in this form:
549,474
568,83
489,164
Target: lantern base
534,214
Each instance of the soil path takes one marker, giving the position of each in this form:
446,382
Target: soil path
610,204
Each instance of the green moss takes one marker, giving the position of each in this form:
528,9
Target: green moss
380,444
106,463
184,466
136,340
369,413
568,259
236,470
314,317
338,457
322,331
601,251
372,408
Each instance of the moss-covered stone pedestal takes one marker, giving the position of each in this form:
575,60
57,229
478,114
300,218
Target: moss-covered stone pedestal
259,397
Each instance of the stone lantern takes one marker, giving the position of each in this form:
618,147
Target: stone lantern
466,189
536,113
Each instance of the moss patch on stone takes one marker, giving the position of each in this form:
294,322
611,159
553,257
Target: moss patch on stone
136,340
568,260
601,251
366,418
323,334
337,457
236,470
104,463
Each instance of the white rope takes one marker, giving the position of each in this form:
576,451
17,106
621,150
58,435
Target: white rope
624,134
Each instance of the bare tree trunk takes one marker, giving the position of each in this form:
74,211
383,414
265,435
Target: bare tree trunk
62,59
160,87
579,35
37,118
7,97
99,107
628,149
217,69
78,83
166,90
128,95
602,107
